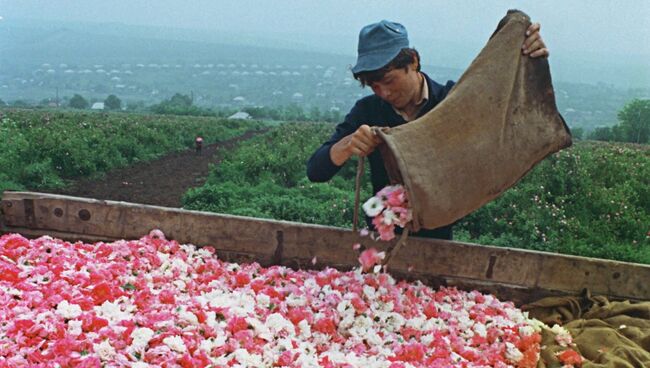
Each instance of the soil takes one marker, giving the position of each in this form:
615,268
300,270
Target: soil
161,182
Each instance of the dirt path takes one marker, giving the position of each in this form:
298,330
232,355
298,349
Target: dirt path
161,182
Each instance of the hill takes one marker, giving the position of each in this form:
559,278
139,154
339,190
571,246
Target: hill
53,61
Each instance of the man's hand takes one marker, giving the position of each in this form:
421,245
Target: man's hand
361,143
534,45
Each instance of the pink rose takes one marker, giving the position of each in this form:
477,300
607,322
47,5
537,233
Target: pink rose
369,258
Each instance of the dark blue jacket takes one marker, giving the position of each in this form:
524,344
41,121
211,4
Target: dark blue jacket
374,111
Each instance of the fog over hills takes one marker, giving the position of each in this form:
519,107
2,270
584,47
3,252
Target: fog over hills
42,59
591,41
77,42
150,63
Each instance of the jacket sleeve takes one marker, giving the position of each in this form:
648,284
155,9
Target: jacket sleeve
320,167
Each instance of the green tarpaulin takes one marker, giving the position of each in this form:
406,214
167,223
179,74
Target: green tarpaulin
606,333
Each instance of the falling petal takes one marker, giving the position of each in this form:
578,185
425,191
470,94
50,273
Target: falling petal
369,258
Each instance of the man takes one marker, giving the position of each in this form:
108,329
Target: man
198,143
402,93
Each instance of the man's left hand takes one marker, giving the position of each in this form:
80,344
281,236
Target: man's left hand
534,45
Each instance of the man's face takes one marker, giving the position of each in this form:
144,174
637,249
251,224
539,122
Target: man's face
398,87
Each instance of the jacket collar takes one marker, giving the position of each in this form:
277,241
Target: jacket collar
433,90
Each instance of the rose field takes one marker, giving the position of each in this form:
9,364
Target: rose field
45,150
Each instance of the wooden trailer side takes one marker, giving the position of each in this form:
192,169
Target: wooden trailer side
514,274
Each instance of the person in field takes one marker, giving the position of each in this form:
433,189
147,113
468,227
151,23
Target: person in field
402,93
198,142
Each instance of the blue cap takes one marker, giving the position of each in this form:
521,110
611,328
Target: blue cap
379,43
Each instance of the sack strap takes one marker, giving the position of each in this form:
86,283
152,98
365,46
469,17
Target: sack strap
357,189
355,222
390,252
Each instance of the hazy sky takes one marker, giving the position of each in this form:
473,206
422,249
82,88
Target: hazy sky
592,30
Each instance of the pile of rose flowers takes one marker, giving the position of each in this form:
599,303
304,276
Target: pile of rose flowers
389,208
153,302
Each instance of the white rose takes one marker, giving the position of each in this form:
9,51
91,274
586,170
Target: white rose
389,217
512,353
175,343
373,206
74,327
141,337
104,350
67,310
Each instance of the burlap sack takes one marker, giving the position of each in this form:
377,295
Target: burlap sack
498,121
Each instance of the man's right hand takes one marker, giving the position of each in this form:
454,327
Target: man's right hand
361,143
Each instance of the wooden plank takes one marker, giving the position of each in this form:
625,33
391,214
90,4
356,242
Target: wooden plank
519,275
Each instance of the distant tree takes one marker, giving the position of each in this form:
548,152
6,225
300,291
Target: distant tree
635,121
224,112
332,115
47,102
257,112
336,116
294,112
577,133
179,100
112,102
20,103
618,134
135,106
2,103
602,134
634,124
276,113
78,102
180,104
315,114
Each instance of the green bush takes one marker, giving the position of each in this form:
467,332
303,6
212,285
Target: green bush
41,175
306,202
591,200
265,177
